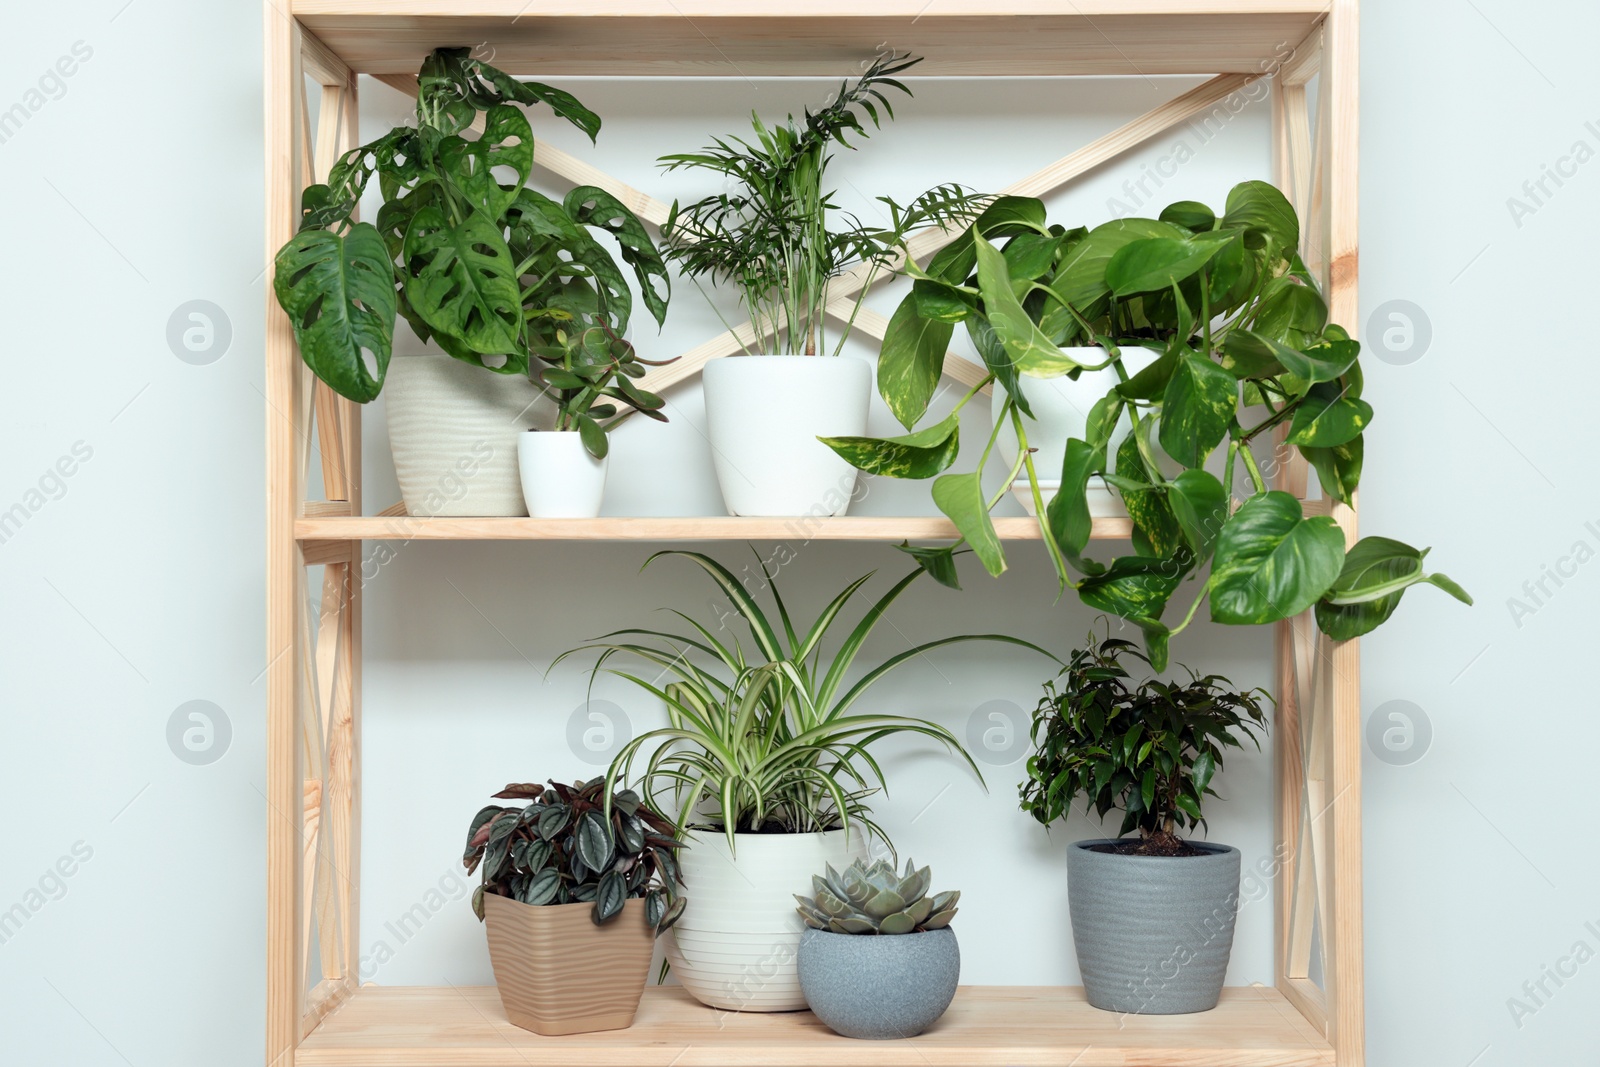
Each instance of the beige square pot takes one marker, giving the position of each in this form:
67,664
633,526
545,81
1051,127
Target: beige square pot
559,973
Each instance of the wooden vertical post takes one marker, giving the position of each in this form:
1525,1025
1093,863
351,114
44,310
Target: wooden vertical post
285,492
1338,97
347,785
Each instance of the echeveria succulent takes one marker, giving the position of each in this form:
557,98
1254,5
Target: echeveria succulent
876,900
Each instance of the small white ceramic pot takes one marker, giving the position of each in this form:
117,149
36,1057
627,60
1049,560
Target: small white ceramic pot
764,415
736,946
560,479
453,430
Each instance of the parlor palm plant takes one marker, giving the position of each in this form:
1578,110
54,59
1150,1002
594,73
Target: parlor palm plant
777,236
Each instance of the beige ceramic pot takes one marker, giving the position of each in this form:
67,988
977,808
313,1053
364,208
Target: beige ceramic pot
559,973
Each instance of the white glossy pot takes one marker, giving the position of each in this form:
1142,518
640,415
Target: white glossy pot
560,479
1061,411
453,429
764,415
736,945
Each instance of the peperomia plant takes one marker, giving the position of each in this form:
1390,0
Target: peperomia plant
576,844
772,239
496,273
1236,323
1149,749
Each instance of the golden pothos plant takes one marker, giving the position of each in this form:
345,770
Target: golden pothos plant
1238,327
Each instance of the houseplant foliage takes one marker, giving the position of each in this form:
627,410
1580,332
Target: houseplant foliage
765,739
1152,916
1149,749
876,899
497,274
864,985
778,237
1237,323
576,844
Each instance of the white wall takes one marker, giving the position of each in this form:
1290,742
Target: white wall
135,584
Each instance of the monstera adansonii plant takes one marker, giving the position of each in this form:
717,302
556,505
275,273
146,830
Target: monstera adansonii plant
496,273
1244,346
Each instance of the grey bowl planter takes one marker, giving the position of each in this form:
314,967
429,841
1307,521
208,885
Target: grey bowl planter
879,985
1153,933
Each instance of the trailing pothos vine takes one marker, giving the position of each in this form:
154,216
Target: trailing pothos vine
495,273
1244,346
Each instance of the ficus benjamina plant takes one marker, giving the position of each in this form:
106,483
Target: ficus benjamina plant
1242,346
495,273
1149,748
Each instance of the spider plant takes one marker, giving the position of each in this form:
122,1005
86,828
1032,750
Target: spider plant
765,739
771,238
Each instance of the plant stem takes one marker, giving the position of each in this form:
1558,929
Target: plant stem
1254,471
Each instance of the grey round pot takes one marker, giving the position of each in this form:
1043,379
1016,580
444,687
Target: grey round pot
879,986
1153,933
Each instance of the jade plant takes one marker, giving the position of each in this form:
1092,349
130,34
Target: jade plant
876,900
1243,349
778,237
765,739
577,844
495,273
1149,749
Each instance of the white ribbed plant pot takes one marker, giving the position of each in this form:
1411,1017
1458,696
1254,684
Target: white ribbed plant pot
764,415
453,430
560,479
1061,411
736,945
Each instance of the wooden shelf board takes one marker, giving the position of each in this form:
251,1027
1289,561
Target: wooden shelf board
318,528
1017,1026
743,38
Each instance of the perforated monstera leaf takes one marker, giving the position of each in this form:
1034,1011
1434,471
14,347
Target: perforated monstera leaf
339,293
541,227
507,141
462,282
589,206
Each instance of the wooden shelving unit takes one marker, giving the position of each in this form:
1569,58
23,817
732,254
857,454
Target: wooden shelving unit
1313,1013
1003,1026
